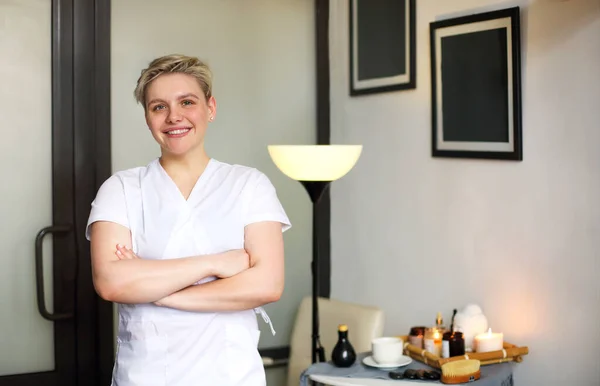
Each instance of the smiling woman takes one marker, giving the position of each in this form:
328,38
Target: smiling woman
176,92
190,247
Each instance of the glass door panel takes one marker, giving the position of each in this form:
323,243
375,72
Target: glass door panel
27,339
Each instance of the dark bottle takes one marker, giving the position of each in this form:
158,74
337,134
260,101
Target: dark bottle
343,354
453,344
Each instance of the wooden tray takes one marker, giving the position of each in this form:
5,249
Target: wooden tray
510,353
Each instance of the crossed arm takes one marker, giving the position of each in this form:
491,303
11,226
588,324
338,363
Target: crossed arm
248,278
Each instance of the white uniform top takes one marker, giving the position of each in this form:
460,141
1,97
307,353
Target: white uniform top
164,346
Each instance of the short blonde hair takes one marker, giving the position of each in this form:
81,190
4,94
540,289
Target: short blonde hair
174,64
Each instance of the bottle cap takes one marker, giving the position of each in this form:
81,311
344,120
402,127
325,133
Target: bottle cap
452,335
439,319
342,328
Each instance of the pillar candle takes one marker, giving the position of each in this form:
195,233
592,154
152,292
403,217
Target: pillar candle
489,341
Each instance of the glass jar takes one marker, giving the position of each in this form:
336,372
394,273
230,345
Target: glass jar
415,337
453,344
432,341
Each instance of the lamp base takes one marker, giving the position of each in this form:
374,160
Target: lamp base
315,190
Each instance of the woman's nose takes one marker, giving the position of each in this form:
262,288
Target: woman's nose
174,115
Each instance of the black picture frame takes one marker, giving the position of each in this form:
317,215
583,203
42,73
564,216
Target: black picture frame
382,46
476,86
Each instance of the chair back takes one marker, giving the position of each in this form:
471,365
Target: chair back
364,323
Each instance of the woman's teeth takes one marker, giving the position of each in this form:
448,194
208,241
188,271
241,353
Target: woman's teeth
178,131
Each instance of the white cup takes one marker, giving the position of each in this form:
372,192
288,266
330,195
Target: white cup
387,350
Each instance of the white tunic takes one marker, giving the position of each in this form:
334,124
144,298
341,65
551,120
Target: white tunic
163,346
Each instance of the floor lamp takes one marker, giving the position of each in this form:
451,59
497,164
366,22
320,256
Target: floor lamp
315,167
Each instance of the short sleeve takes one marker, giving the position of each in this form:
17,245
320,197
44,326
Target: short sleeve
263,204
109,204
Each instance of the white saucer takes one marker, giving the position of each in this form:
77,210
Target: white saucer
369,361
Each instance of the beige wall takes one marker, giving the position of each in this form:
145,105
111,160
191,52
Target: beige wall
262,56
423,234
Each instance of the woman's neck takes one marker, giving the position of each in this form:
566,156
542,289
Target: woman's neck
191,164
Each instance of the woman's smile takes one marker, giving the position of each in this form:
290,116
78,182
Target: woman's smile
177,132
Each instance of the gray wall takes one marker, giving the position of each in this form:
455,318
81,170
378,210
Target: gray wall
417,235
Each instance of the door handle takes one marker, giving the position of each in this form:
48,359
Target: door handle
39,273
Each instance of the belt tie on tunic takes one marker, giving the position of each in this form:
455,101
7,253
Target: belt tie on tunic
265,317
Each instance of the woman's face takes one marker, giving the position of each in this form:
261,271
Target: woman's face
178,113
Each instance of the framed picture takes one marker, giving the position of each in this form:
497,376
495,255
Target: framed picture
476,86
382,46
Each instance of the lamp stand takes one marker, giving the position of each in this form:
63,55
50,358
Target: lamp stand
315,190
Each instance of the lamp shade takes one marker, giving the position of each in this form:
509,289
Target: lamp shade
315,162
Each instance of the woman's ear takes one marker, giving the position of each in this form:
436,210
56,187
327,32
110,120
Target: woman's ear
212,108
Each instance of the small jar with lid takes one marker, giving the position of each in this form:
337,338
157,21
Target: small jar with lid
415,337
453,344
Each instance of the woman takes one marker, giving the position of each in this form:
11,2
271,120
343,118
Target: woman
188,246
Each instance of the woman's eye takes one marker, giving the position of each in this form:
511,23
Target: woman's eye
157,107
187,102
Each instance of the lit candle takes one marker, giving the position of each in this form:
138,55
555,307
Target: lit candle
432,342
489,341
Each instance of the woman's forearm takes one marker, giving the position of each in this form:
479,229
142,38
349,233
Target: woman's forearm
121,276
262,283
249,289
145,281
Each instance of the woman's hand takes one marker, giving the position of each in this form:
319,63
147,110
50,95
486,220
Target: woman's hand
231,263
125,253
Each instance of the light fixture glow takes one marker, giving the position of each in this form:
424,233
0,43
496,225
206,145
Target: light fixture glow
315,167
315,162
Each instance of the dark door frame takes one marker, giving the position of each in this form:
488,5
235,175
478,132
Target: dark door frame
92,154
323,138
